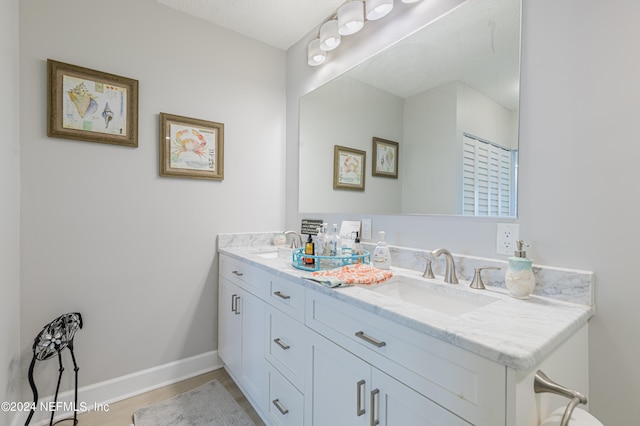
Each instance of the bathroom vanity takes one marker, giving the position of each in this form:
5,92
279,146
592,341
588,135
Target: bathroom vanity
307,354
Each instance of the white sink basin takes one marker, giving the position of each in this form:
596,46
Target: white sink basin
273,252
269,255
431,298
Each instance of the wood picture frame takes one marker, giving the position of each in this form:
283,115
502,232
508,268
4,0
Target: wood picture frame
191,147
349,166
385,158
89,105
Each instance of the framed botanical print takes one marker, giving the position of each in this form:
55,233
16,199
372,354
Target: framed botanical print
348,168
385,158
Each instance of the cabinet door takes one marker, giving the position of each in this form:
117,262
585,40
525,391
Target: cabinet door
286,405
229,325
340,386
254,374
395,404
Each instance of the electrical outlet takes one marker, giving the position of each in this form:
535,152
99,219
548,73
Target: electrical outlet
366,229
508,234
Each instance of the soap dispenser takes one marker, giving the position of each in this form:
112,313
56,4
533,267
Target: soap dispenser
519,277
381,254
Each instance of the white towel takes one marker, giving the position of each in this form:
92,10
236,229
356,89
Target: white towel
579,417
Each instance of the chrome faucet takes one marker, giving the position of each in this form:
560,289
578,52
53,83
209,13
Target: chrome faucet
296,241
450,272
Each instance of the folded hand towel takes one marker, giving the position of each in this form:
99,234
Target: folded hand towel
358,273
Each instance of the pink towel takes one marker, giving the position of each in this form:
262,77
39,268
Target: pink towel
359,273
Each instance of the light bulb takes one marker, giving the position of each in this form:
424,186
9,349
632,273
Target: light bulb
377,9
315,55
351,17
329,36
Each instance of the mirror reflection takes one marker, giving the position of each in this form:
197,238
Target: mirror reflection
448,95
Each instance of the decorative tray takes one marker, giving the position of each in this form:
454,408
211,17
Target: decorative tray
309,262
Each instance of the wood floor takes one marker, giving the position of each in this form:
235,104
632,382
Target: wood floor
121,413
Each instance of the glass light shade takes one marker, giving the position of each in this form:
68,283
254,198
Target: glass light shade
351,17
315,55
329,36
377,9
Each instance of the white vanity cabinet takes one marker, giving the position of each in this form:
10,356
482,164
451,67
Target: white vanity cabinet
446,378
241,331
347,390
262,339
306,355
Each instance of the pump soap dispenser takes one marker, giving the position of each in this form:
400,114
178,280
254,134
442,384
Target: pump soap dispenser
381,255
519,277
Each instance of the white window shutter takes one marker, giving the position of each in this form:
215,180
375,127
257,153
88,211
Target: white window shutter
486,178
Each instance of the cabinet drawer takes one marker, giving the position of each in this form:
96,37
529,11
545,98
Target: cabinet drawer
287,346
459,380
246,276
286,404
287,296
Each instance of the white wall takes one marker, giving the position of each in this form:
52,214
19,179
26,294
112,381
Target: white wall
102,233
9,207
579,147
348,113
485,118
430,151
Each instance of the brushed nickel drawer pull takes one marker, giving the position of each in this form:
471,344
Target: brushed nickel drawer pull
373,420
234,307
281,295
281,344
238,273
372,340
359,405
279,406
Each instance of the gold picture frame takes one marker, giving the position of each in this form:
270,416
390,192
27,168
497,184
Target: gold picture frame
89,105
191,148
385,158
349,166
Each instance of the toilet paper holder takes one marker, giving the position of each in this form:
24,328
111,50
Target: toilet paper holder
542,383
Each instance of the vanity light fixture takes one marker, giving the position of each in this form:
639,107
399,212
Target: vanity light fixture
351,17
377,9
329,35
315,55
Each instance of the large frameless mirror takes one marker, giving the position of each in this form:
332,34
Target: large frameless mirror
448,95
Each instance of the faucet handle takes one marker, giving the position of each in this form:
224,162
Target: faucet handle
428,272
477,277
294,239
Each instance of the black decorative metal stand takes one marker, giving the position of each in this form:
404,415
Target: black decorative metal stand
53,338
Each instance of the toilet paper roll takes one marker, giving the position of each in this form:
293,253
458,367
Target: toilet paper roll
579,417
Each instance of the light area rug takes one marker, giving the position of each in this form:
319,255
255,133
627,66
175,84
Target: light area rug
207,405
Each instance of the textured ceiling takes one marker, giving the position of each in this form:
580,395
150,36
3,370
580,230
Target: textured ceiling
279,23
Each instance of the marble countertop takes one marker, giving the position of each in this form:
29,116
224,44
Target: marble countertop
513,332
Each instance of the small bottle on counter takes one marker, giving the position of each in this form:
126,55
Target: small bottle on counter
309,249
321,240
357,249
334,241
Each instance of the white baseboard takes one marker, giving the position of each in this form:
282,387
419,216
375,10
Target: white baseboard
100,395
